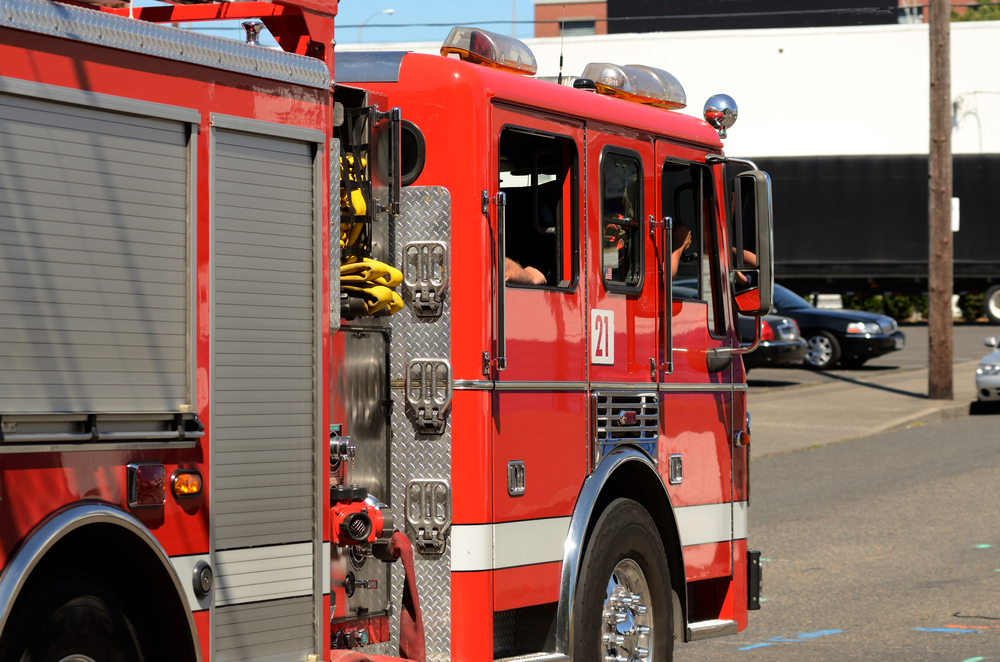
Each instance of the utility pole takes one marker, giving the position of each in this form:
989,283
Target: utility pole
940,280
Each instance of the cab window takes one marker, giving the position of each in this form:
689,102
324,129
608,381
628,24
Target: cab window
621,222
688,199
538,174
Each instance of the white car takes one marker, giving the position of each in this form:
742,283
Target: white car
988,374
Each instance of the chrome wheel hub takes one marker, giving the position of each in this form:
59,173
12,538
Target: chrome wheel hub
626,632
820,350
993,304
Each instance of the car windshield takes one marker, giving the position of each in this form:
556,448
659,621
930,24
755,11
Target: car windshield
788,300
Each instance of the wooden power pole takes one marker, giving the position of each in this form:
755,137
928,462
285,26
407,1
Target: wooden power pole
940,285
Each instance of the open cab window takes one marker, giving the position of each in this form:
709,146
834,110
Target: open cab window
688,198
621,221
538,175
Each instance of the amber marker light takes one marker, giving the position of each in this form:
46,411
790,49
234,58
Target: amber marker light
490,49
186,483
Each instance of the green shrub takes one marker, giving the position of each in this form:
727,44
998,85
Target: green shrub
971,306
900,308
920,304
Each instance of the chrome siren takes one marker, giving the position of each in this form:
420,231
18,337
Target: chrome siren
721,112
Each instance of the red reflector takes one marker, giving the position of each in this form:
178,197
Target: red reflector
146,482
626,417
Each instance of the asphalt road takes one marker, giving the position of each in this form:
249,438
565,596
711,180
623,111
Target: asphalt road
968,345
883,548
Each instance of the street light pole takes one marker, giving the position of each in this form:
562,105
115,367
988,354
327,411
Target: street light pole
384,11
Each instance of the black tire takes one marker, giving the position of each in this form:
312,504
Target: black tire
624,542
991,304
822,350
72,617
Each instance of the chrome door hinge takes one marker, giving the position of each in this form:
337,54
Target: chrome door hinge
428,513
428,392
425,265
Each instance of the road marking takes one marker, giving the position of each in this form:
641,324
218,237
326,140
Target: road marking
949,630
802,636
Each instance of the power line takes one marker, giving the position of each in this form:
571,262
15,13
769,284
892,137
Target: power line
866,11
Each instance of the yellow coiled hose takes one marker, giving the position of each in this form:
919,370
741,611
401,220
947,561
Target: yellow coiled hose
370,280
373,281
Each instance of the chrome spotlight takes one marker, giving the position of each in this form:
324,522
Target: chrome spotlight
721,112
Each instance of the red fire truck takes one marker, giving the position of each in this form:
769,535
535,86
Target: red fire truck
512,424
555,414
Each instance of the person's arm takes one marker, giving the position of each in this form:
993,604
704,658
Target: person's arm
675,257
515,273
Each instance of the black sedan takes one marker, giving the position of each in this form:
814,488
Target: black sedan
849,337
780,342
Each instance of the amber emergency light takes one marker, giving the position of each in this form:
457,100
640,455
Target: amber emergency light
490,49
636,82
186,483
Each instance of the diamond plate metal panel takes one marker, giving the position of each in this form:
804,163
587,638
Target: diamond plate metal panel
425,216
94,27
334,235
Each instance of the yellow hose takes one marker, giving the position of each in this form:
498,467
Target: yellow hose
362,277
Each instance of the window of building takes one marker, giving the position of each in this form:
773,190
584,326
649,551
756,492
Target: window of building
621,221
577,27
538,175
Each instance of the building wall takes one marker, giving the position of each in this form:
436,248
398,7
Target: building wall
809,91
554,10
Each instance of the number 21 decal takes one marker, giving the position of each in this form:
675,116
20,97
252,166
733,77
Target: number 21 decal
602,337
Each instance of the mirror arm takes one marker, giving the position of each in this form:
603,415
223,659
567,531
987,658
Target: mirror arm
746,349
715,159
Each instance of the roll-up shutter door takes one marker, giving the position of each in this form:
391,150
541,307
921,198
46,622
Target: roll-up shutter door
264,401
93,260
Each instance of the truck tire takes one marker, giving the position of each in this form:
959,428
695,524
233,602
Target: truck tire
991,304
624,576
75,619
823,350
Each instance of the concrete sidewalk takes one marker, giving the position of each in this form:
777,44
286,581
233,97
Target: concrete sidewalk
791,419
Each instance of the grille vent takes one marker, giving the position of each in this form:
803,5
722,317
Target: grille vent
614,426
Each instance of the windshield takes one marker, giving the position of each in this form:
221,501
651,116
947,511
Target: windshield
788,300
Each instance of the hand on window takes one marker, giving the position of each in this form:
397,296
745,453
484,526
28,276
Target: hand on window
682,242
515,273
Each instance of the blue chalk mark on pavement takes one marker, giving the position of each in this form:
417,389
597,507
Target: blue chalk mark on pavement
975,659
802,636
951,630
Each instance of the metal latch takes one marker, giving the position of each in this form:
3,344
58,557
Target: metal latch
428,391
428,513
425,265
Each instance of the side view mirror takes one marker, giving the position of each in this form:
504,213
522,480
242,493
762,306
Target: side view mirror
753,275
990,342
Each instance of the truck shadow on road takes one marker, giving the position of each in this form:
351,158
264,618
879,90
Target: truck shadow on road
878,387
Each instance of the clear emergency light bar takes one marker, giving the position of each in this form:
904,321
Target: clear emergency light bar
636,82
490,49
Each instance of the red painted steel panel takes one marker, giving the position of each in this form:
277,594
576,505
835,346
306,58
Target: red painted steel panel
738,610
202,620
472,621
707,561
526,586
471,458
546,431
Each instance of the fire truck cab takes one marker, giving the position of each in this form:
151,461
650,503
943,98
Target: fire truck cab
556,415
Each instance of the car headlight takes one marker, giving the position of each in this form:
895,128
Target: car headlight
988,370
888,325
863,327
